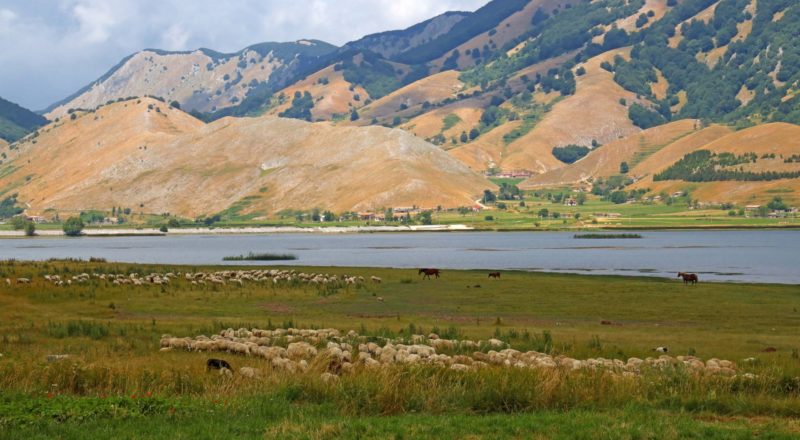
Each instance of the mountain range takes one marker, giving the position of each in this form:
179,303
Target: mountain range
508,87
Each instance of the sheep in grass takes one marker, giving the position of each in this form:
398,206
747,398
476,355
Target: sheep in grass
249,372
301,350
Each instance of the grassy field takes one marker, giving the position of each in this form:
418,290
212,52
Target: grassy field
117,384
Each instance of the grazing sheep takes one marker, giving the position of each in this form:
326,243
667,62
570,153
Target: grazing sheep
23,281
8,282
380,298
376,280
661,349
329,377
249,372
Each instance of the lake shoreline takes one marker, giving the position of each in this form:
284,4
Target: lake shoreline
752,256
264,230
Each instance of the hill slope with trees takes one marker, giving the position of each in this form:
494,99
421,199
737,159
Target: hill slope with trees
17,121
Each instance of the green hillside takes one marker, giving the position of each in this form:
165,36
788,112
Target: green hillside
16,121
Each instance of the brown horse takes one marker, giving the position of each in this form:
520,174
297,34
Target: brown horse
688,277
495,275
428,272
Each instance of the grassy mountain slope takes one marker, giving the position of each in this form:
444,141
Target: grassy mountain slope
332,95
605,161
16,121
152,158
780,139
486,44
392,43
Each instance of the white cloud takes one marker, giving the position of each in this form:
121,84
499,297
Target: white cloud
175,38
49,49
7,17
96,20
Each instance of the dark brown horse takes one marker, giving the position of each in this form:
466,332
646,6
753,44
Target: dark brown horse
428,272
495,275
688,277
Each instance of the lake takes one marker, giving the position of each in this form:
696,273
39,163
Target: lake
742,256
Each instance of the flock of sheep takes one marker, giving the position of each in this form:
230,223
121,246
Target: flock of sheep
292,350
225,277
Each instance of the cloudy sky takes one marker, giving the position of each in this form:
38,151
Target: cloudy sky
51,48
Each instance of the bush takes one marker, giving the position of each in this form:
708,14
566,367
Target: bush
73,227
164,229
30,229
18,223
570,153
644,118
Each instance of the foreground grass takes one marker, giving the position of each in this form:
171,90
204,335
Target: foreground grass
112,336
275,416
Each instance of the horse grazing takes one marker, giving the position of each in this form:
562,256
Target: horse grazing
217,364
688,277
428,272
495,275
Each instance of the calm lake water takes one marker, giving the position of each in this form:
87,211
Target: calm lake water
745,256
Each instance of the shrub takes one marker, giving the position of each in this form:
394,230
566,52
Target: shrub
570,153
30,229
18,223
73,226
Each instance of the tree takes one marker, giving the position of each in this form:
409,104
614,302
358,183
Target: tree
570,153
464,137
175,104
544,213
425,218
619,197
354,115
18,222
473,134
30,228
73,226
581,198
489,196
776,204
623,168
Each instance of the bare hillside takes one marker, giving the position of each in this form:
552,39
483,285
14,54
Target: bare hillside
201,80
144,155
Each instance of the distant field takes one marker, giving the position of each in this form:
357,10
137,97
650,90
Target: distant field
593,214
118,384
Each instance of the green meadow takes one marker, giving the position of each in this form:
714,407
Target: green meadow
116,383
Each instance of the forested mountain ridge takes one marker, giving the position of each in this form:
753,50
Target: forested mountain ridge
17,121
